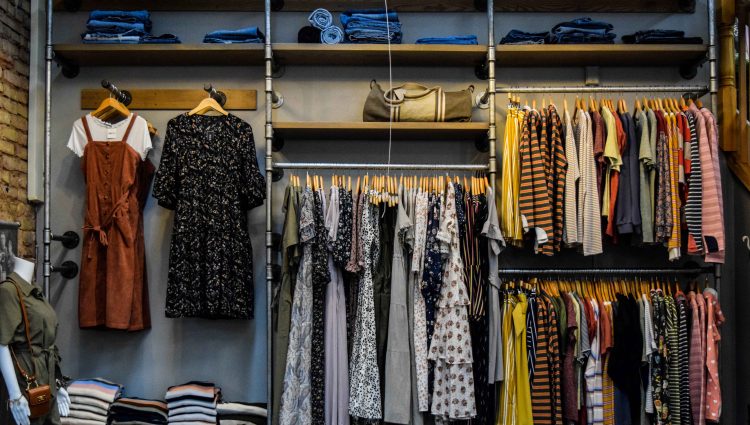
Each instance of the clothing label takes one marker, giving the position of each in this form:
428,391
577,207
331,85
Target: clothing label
111,133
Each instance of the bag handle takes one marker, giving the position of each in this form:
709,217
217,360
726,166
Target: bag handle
29,378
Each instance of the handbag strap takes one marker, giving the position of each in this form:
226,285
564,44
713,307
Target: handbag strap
29,378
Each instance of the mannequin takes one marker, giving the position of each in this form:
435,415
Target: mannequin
19,406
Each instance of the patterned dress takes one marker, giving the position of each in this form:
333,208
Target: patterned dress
364,386
295,399
453,395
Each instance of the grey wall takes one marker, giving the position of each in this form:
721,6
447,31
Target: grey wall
233,353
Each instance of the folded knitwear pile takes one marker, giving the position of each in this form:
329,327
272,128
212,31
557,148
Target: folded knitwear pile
136,411
241,414
193,403
90,400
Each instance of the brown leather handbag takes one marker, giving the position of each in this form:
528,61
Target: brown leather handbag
38,396
417,103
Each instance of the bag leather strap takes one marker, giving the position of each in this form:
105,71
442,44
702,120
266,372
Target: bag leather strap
29,378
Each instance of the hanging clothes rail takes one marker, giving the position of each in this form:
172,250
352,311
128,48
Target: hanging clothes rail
361,166
621,272
700,90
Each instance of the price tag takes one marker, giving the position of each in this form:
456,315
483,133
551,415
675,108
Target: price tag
111,133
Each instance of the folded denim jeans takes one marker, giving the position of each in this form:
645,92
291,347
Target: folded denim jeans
660,37
238,34
124,39
120,15
320,19
582,38
161,39
584,25
369,14
215,40
105,35
372,36
521,37
114,27
332,35
455,39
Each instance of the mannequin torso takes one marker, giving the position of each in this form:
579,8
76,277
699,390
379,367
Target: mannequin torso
18,404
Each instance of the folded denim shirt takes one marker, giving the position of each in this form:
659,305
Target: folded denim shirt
586,25
161,39
521,37
368,14
455,39
581,38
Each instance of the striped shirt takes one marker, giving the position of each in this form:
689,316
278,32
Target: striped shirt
557,176
570,230
534,201
713,207
541,391
531,335
694,206
589,219
593,375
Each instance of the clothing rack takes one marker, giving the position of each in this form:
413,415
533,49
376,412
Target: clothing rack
700,90
362,166
714,270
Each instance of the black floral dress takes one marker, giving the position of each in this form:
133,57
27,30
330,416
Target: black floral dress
209,176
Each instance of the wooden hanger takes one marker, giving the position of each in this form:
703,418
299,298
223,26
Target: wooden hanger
207,105
109,109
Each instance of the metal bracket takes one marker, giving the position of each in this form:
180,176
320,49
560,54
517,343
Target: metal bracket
67,269
277,144
483,100
277,174
482,71
69,239
482,143
69,69
277,99
277,5
689,70
278,69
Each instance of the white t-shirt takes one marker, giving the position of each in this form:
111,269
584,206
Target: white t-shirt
139,138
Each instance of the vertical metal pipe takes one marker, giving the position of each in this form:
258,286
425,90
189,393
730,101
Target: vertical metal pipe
713,83
492,131
47,236
269,208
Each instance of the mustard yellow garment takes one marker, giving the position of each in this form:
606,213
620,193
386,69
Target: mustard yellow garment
510,218
507,412
524,414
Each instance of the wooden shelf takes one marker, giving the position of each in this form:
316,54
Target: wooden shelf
547,6
376,130
160,54
377,54
559,55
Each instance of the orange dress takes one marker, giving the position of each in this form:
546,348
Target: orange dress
113,292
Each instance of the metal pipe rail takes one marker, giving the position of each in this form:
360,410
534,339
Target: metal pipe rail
363,166
695,271
701,90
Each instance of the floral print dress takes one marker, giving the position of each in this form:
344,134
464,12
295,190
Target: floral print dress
295,399
364,378
453,393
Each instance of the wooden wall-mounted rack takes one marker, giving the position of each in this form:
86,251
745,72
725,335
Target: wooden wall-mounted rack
173,99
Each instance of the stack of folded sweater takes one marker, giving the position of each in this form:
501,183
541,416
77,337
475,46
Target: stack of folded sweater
660,37
242,35
371,26
193,402
241,414
136,411
122,27
90,400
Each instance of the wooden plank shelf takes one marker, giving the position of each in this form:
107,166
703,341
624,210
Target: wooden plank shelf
160,54
377,130
559,55
173,99
377,54
546,6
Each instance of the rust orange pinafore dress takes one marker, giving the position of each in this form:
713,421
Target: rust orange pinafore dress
113,290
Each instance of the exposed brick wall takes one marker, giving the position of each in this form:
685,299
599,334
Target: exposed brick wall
14,112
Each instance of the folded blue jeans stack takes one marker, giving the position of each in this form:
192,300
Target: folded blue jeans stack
582,31
242,35
660,37
521,37
122,27
371,26
323,20
454,39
